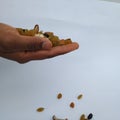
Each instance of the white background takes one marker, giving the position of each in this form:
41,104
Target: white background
93,69
113,0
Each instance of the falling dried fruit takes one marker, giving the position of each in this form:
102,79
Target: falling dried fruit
72,104
90,116
40,109
79,96
59,96
82,117
55,118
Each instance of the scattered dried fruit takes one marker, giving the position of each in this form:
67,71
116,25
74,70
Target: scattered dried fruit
40,109
72,104
59,96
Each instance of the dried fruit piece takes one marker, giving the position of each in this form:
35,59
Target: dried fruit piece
62,42
40,109
26,32
90,116
36,28
72,104
68,41
54,40
82,117
79,96
46,34
55,118
59,96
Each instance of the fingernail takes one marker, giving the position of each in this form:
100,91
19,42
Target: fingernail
46,45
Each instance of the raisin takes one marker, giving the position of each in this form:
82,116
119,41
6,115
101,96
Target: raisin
46,35
72,104
90,116
59,96
36,28
40,109
79,96
24,30
82,117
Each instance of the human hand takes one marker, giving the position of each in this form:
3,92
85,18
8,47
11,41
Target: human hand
22,49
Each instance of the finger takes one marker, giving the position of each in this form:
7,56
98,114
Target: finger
23,57
32,43
60,50
55,51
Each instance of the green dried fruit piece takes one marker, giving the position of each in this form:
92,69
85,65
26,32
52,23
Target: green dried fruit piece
82,117
79,96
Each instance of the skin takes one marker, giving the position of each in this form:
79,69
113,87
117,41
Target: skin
22,49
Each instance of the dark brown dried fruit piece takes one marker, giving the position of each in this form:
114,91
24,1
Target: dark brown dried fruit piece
72,104
59,96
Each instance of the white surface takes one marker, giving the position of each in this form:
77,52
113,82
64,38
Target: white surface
93,70
118,1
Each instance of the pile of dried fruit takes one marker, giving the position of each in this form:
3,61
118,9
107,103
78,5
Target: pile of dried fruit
56,41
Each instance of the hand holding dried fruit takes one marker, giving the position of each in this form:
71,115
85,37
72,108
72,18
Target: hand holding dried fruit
17,45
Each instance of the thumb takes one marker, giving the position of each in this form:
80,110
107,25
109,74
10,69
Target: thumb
33,43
